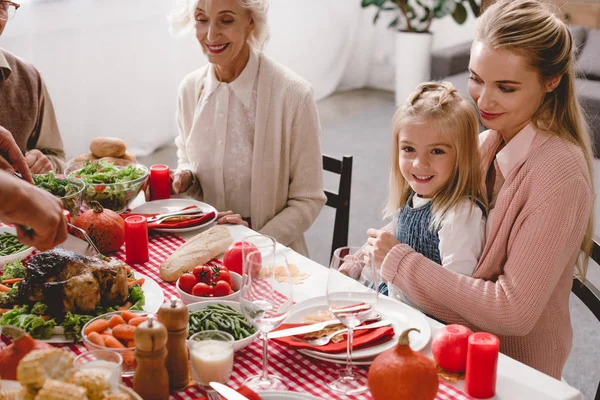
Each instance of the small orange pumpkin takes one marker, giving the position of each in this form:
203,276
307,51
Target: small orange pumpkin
105,227
403,374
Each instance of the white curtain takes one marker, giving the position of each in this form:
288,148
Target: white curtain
112,68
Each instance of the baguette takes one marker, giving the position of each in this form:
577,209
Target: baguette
197,251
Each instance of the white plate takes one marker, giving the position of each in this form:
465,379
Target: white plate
171,205
321,357
154,297
238,344
15,256
277,395
401,315
8,385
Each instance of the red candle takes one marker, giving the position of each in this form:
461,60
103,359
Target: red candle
136,239
482,360
160,182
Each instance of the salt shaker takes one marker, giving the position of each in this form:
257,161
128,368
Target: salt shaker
174,315
151,380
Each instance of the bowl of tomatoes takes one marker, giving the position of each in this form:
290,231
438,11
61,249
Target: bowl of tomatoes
207,282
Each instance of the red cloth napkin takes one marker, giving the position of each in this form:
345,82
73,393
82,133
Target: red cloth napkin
243,390
362,339
175,224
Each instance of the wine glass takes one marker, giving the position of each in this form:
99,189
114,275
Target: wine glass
263,243
211,356
265,299
351,307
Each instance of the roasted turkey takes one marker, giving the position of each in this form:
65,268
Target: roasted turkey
67,281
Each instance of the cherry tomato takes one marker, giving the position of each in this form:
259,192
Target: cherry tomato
221,289
203,273
187,282
202,289
224,276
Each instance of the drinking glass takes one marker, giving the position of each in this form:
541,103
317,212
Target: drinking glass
105,362
211,356
351,308
263,243
265,299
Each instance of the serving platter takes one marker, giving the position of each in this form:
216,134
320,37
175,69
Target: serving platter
7,385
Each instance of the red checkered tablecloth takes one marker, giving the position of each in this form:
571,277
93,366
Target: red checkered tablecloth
302,374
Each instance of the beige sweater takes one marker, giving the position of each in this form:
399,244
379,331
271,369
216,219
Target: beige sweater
520,288
287,168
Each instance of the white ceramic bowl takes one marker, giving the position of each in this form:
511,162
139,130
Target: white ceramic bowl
187,298
21,255
238,344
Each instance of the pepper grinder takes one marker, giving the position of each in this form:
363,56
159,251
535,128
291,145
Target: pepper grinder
151,380
174,315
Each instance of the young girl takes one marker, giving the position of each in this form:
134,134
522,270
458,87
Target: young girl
435,196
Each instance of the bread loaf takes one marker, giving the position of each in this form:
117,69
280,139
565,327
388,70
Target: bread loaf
197,251
83,157
108,147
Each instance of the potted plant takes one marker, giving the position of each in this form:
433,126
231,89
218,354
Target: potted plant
412,21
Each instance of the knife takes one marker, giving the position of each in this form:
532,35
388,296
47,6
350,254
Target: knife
227,392
189,211
299,330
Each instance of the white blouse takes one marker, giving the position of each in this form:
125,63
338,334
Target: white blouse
222,138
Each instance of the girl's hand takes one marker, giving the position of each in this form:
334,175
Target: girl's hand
229,217
37,162
380,243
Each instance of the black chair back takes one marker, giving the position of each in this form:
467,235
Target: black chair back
340,200
589,294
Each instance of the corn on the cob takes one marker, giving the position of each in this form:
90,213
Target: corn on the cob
57,390
39,365
94,382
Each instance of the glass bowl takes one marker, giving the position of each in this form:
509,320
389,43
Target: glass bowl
114,196
71,202
127,351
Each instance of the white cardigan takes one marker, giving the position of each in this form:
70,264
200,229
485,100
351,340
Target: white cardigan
287,168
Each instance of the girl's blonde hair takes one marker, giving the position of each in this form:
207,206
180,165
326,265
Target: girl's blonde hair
532,30
181,19
440,104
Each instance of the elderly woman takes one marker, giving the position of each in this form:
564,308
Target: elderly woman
248,127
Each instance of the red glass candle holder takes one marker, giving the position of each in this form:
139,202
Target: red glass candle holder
136,239
482,362
160,182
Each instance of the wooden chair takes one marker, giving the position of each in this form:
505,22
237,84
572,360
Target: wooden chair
589,294
341,200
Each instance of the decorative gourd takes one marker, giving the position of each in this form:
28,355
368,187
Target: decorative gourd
403,374
21,345
105,227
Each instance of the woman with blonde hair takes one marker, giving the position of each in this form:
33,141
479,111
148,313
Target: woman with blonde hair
537,161
248,127
435,195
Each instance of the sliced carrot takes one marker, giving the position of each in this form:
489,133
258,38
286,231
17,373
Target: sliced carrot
137,320
136,282
96,338
131,343
97,326
106,332
128,269
125,306
5,310
46,317
130,280
128,358
124,332
11,281
4,288
116,320
112,342
127,315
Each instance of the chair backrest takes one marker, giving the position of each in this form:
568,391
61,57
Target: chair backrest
589,294
340,200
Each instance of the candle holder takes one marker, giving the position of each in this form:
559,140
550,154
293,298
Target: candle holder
482,362
136,239
160,182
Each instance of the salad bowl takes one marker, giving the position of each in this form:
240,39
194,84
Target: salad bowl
68,189
114,187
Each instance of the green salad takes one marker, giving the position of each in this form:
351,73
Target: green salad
9,244
61,188
110,185
33,319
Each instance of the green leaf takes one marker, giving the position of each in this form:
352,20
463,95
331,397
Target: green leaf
394,23
474,7
460,14
376,17
367,3
443,8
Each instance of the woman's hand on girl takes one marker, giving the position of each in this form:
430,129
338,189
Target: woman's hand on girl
380,243
229,217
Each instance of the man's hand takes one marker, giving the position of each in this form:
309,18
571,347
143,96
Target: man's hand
37,162
380,243
11,158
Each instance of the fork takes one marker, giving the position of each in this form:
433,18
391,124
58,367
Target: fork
87,238
322,341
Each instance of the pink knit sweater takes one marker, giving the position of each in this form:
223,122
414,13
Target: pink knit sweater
520,288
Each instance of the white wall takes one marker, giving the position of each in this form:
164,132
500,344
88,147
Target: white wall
112,68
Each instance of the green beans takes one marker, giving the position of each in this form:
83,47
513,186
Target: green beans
9,244
223,318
